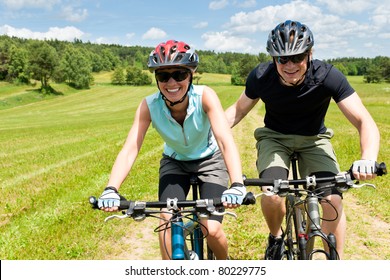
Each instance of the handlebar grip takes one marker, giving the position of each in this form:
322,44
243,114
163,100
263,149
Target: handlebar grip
124,204
94,202
381,169
249,199
217,201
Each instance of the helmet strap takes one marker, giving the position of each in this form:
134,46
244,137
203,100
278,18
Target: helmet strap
173,103
181,99
300,79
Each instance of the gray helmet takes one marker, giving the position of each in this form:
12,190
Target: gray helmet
173,53
289,38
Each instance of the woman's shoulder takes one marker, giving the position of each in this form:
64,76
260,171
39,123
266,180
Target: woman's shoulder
198,89
152,98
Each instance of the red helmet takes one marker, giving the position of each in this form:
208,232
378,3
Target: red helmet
173,53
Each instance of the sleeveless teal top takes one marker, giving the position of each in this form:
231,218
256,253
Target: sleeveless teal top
194,140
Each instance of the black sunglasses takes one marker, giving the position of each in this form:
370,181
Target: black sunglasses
178,76
293,58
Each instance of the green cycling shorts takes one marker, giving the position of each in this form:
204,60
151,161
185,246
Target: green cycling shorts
315,153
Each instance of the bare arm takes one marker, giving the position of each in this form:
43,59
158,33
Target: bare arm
240,109
129,152
354,110
223,134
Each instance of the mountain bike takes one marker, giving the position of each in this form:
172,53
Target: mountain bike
303,220
187,239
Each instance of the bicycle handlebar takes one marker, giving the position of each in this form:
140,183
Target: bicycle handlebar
342,182
138,210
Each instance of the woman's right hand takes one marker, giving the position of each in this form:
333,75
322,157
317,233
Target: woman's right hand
109,200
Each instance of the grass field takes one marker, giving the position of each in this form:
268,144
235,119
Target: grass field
56,151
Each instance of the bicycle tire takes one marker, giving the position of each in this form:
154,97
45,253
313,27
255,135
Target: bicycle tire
333,255
291,234
210,253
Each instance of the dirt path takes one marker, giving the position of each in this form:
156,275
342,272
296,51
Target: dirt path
367,236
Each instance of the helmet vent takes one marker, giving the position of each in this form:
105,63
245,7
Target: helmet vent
173,53
179,57
289,38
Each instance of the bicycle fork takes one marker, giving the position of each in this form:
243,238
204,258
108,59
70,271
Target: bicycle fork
314,229
310,226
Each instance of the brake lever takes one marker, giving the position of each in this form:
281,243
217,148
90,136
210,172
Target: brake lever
216,213
115,216
356,186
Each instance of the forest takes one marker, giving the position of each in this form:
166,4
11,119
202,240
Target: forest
27,60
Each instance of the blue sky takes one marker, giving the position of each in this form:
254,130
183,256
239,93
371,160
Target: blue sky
342,28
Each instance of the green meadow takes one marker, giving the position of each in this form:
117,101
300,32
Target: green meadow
57,150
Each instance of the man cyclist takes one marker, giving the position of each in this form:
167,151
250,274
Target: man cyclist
296,91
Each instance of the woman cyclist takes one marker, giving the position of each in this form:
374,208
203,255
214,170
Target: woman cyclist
198,140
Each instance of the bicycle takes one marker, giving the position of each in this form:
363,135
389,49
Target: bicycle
187,239
303,220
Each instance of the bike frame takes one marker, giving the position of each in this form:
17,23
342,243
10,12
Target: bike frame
180,231
193,229
303,224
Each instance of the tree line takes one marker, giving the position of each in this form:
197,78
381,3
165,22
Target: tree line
24,60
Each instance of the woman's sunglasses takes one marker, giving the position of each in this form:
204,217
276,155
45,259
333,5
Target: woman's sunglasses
178,76
293,58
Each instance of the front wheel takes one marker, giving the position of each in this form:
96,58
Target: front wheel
333,255
210,254
291,234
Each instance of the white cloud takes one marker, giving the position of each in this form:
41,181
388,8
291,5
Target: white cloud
73,15
217,5
108,40
333,33
246,4
265,19
342,7
381,15
224,41
21,4
202,24
154,33
68,33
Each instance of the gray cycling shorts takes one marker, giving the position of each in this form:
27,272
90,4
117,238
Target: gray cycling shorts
315,153
211,169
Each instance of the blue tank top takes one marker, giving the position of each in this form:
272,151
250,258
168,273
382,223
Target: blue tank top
194,140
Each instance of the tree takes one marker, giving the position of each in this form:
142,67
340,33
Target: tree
5,45
340,66
17,70
263,57
373,75
96,61
118,77
135,77
109,60
378,70
75,68
242,69
196,77
43,60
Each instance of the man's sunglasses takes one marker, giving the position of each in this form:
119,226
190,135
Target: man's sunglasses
293,58
178,76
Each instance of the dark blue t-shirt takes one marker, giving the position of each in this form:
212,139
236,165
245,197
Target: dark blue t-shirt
297,110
